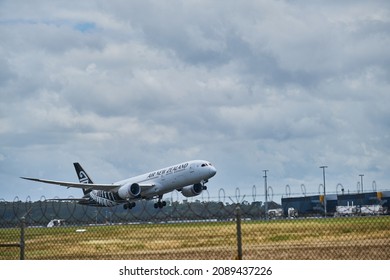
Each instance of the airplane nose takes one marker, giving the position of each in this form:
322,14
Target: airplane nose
213,171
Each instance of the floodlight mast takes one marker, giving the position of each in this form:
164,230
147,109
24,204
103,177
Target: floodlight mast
266,194
361,181
323,175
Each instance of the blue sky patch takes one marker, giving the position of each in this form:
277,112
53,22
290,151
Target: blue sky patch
85,26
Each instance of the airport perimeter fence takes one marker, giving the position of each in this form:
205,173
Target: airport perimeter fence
227,228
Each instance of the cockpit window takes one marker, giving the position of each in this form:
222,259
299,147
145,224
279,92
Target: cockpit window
203,165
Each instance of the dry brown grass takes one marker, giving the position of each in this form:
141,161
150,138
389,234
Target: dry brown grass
341,238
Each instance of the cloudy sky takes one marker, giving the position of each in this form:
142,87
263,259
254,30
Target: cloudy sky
126,87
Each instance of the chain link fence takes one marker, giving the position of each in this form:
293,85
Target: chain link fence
191,229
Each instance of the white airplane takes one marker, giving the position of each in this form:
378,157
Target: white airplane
188,177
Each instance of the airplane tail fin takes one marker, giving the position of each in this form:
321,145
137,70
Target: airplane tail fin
83,177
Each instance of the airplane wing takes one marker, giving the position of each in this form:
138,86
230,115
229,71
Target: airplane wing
105,187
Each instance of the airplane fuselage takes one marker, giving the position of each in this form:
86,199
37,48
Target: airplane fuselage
188,177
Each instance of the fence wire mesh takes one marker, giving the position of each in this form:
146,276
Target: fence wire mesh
193,229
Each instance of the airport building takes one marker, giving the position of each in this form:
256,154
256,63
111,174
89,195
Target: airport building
370,203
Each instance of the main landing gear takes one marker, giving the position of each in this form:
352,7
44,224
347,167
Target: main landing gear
160,204
129,205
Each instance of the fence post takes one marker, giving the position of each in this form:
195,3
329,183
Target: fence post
22,243
239,237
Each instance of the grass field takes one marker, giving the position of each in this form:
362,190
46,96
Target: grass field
333,238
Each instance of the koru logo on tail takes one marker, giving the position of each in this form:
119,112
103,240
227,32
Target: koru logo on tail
83,177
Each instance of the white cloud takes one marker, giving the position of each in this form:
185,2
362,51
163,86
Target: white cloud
131,86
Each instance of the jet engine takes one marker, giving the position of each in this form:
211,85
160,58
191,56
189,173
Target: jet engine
193,190
129,190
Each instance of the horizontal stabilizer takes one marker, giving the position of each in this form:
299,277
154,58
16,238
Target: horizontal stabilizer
67,199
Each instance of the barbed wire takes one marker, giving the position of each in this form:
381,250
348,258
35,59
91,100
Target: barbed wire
44,210
200,207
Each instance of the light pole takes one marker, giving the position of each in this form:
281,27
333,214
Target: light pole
361,181
323,175
266,194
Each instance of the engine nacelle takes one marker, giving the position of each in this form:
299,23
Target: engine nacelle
130,190
193,190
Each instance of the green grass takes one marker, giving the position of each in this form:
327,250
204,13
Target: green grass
335,238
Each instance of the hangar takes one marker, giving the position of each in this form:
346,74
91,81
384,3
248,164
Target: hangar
309,205
369,203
